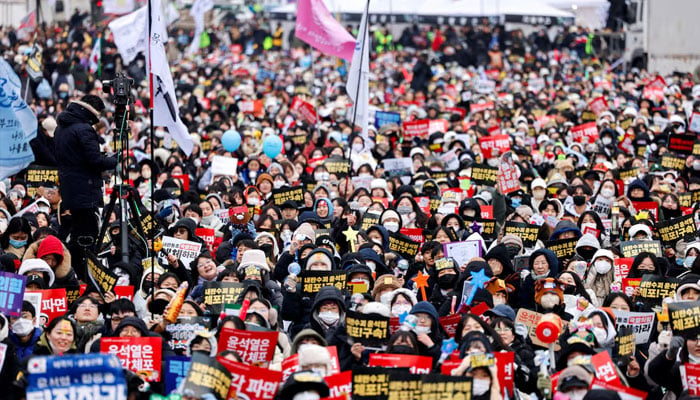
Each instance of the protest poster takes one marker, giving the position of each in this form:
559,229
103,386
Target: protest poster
208,235
313,281
628,173
223,166
184,329
486,227
438,386
588,116
416,129
505,365
368,220
216,294
404,386
184,250
585,133
488,144
398,166
671,231
625,392
654,288
631,248
485,86
526,232
339,384
369,329
304,110
622,268
672,162
102,278
450,159
254,347
338,166
598,105
223,215
481,107
40,175
141,355
464,251
688,199
93,376
279,196
449,324
415,364
290,364
530,319
403,245
563,248
11,293
484,175
149,226
415,234
629,285
690,377
602,206
382,118
371,383
437,125
250,382
206,377
694,125
681,144
605,367
641,323
362,181
53,303
625,342
684,317
174,371
651,207
508,175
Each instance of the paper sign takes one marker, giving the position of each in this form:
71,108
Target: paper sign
254,347
38,175
11,294
223,166
633,247
370,383
526,232
684,317
654,288
690,376
530,319
304,110
313,281
279,196
484,175
403,245
216,294
141,355
437,386
184,250
489,143
585,133
175,369
339,385
102,278
508,175
449,324
382,118
605,368
641,323
184,330
625,393
208,235
398,166
251,382
369,329
622,268
629,285
419,128
415,364
462,252
671,231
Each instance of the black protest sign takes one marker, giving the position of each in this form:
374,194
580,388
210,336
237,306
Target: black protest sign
484,175
682,144
696,148
279,196
369,329
39,175
628,173
102,278
313,281
149,225
631,248
184,330
687,199
488,228
216,294
72,294
526,232
372,383
654,288
684,317
337,165
671,231
434,204
403,245
625,341
368,220
672,162
563,248
588,116
438,386
298,139
404,386
206,377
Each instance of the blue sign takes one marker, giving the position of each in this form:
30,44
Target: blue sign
176,369
11,293
382,118
76,376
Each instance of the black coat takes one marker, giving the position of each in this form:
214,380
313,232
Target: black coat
80,163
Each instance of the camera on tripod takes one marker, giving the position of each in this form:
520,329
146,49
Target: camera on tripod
119,88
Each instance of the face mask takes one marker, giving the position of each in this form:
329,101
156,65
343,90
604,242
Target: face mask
278,184
422,330
602,267
498,301
321,176
44,209
480,386
569,289
549,301
515,202
402,349
147,286
3,225
22,327
688,262
404,210
607,193
308,395
362,281
357,147
253,175
157,306
329,317
579,200
399,309
606,140
446,282
577,394
253,202
492,162
392,226
17,244
600,335
513,251
538,194
286,236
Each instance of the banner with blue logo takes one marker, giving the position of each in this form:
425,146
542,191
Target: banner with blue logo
18,124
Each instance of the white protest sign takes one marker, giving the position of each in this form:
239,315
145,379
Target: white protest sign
641,323
184,250
694,122
485,86
362,181
601,206
223,166
222,214
32,208
462,252
398,166
450,159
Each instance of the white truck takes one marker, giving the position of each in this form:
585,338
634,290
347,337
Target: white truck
662,35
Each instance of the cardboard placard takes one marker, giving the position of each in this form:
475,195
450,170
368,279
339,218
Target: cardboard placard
418,128
279,196
671,162
11,293
102,278
207,376
690,376
464,251
250,382
184,329
449,324
684,317
498,142
563,248
223,166
415,364
404,385
526,232
651,207
622,268
585,133
38,175
403,245
369,329
254,347
141,355
654,288
370,383
185,250
641,323
671,231
216,294
484,175
313,281
682,144
339,385
382,118
631,248
436,386
605,367
369,220
338,166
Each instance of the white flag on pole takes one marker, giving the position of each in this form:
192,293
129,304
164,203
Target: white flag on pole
130,34
165,108
199,8
358,77
96,55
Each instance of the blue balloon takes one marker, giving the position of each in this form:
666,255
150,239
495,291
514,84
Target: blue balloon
272,146
231,140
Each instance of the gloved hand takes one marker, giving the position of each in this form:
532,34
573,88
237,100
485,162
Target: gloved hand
674,347
291,283
664,338
544,385
521,330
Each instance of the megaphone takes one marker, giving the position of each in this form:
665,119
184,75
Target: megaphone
548,328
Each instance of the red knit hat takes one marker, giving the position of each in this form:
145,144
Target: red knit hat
51,245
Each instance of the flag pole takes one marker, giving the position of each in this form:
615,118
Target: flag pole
357,91
153,144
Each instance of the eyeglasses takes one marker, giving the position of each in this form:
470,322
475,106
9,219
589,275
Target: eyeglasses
87,304
502,330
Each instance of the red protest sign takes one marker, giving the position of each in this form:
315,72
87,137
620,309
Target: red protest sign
651,206
605,368
140,355
253,347
415,364
479,107
438,125
625,392
590,230
653,93
394,325
629,284
185,179
690,373
251,382
598,105
622,268
305,110
416,234
124,292
53,302
489,143
208,235
417,128
457,110
447,366
290,364
339,384
251,107
508,176
449,324
506,373
588,130
486,211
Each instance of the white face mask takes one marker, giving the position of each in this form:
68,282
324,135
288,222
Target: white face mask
22,327
577,394
3,225
606,140
602,266
607,193
278,184
600,335
399,309
309,395
549,301
372,266
329,317
422,330
480,386
498,301
392,226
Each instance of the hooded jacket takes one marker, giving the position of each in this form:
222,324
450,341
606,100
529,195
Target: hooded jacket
384,233
527,288
436,332
500,253
63,273
325,294
565,226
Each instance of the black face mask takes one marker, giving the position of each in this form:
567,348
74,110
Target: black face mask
268,249
157,306
513,251
447,282
147,286
579,200
569,289
402,349
669,214
586,253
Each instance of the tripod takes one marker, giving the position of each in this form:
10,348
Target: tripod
127,196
